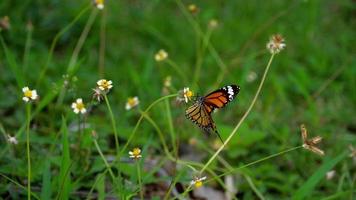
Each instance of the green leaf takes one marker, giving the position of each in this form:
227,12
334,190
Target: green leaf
64,175
101,188
46,181
308,187
13,65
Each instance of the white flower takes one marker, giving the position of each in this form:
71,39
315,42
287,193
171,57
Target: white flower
276,44
197,182
104,85
79,107
213,23
131,102
29,94
99,4
135,153
184,95
161,55
330,174
187,94
12,140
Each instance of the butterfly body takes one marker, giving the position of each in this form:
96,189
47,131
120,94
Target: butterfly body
200,111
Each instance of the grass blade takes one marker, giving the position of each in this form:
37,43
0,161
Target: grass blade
64,178
46,182
308,187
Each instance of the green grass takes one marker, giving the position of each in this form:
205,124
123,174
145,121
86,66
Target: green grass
72,45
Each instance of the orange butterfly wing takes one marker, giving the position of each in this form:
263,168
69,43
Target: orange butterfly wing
200,111
219,98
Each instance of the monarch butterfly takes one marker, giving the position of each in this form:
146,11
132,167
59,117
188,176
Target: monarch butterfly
200,111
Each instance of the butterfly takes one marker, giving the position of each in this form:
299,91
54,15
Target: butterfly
200,111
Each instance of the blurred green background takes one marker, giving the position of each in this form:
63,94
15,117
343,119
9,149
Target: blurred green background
312,82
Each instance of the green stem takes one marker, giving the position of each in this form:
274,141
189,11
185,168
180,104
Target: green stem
243,117
102,44
78,47
27,48
171,128
141,118
178,70
104,159
260,160
18,184
113,123
82,38
28,120
139,179
247,165
200,54
54,42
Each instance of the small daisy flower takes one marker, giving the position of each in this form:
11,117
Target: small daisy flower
213,23
29,94
79,107
104,85
187,94
276,44
193,8
99,4
197,182
310,144
161,55
135,153
131,102
12,140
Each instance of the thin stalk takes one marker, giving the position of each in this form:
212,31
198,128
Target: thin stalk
139,178
243,117
171,128
261,160
82,38
104,159
28,120
54,42
27,46
18,184
247,165
198,31
141,118
102,175
76,51
177,69
200,54
113,123
102,44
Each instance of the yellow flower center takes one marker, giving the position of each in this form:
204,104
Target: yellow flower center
189,93
80,106
28,93
198,184
99,1
131,101
105,84
136,152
